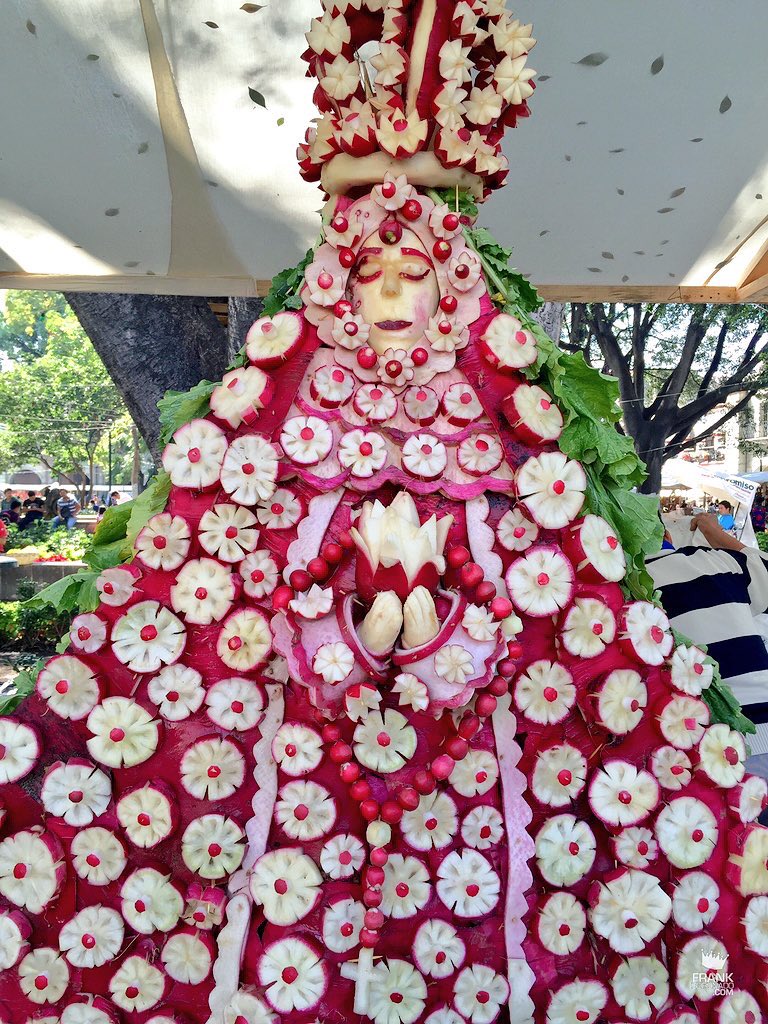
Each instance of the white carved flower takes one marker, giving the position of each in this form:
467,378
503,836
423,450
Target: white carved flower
148,636
450,101
29,870
116,586
398,993
187,958
393,193
453,663
247,1006
376,402
432,825
332,385
545,692
362,452
636,847
228,532
19,750
483,106
479,993
384,743
395,367
333,662
325,288
204,591
690,671
164,542
406,887
137,985
467,884
350,331
280,511
147,815
464,271
69,687
480,623
177,690
329,35
259,574
340,78
342,922
437,218
212,769
342,856
293,975
286,883
437,948
313,603
88,633
235,704
390,63
249,469
92,937
481,453
43,975
424,456
193,458
306,440
512,37
630,910
421,405
695,901
244,641
212,845
482,827
513,80
455,62
305,810
360,699
124,734
98,856
150,901
297,748
76,791
411,692
445,334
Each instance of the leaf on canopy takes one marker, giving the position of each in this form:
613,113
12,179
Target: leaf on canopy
179,407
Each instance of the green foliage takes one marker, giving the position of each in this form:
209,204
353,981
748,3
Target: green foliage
122,451
179,407
284,292
23,685
69,544
27,320
460,201
762,541
57,400
506,285
31,627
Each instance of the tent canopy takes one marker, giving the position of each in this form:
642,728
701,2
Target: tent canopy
134,158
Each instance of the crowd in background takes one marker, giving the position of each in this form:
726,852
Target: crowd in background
57,504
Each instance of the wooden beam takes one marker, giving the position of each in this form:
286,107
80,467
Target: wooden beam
224,286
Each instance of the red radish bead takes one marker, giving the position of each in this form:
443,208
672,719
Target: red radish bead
471,574
442,766
332,553
342,307
193,455
457,556
340,752
373,919
62,686
77,795
498,686
451,221
331,732
143,819
514,649
412,209
542,579
325,280
564,929
117,734
340,223
582,1015
369,809
388,189
703,905
731,755
368,938
281,886
424,782
677,769
472,889
442,250
390,232
462,271
148,633
550,694
625,797
379,856
457,748
289,975
657,634
237,706
93,860
367,358
449,303
372,897
469,726
649,989
235,643
346,540
419,356
214,849
346,258
642,847
374,876
501,607
201,593
360,790
485,705
300,580
697,835
698,668
506,667
564,777
20,871
349,772
408,798
391,812
485,592
319,568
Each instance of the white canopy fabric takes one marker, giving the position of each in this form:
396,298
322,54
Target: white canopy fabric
133,157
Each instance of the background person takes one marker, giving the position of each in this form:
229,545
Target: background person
718,597
725,515
758,513
67,508
6,502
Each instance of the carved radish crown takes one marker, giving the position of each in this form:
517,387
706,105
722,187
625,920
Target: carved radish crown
422,87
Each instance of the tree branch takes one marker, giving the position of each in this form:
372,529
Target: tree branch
693,441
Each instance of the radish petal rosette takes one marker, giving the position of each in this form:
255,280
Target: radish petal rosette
147,637
194,457
164,542
69,687
19,750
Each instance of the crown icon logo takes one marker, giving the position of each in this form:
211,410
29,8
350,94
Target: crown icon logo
425,90
712,960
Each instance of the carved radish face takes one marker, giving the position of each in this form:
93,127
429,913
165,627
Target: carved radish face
393,287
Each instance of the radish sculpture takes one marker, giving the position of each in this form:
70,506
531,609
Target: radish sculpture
377,724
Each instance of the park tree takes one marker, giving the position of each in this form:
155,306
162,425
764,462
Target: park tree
675,364
56,407
27,321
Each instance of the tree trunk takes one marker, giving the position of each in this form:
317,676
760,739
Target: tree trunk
136,465
550,316
150,344
653,462
242,313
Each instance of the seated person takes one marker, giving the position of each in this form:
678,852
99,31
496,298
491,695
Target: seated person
67,508
717,596
33,513
12,513
725,515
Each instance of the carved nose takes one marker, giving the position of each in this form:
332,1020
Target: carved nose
390,283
